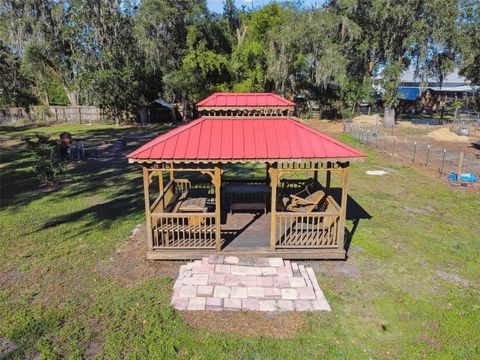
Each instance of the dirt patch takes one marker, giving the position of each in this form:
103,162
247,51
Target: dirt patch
407,124
444,134
453,277
129,265
7,348
247,324
367,119
427,339
328,268
9,278
325,126
415,210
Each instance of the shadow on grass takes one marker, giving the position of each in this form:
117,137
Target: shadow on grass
19,187
355,213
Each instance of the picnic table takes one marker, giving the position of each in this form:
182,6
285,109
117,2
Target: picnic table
194,201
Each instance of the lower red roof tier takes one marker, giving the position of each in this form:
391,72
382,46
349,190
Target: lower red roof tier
236,139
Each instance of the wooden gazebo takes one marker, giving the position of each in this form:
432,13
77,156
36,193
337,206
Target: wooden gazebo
245,104
198,208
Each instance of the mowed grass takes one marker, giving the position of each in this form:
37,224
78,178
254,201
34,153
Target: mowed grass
410,288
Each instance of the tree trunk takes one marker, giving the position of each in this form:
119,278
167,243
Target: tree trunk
143,116
389,117
233,19
72,97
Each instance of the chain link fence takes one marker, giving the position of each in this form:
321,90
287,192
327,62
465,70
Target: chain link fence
442,160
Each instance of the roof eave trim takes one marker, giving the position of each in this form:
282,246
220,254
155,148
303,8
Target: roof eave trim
225,161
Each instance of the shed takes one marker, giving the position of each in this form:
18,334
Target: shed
204,208
160,111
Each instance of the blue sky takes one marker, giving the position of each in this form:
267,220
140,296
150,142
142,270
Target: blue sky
217,5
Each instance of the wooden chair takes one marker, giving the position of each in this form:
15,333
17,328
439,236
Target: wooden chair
307,199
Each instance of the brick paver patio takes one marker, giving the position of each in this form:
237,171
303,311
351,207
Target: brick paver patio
261,284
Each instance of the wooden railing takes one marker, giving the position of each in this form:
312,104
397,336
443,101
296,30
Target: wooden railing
183,230
307,230
316,230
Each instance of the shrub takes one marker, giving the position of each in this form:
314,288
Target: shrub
48,168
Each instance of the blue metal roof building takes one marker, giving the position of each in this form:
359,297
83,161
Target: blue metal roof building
408,93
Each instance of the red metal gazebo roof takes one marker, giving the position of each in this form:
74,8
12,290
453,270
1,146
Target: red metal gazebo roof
245,100
243,139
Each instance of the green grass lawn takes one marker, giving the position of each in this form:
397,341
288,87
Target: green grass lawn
410,288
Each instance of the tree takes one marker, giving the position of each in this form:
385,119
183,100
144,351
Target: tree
249,56
15,89
121,54
116,77
406,33
205,66
470,40
42,33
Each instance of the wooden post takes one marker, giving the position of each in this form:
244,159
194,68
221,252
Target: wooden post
80,113
460,166
56,114
443,161
161,188
273,224
171,171
328,179
343,209
267,175
217,182
146,192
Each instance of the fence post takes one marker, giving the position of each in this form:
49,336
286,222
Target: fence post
393,147
80,113
414,151
385,134
344,126
460,165
428,155
56,114
443,161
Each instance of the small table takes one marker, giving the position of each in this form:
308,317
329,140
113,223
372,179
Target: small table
263,190
193,205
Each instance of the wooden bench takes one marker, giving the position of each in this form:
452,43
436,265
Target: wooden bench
307,199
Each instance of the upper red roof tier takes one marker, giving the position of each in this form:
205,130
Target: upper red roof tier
245,100
239,139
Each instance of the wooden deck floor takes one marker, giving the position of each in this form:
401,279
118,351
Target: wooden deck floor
244,231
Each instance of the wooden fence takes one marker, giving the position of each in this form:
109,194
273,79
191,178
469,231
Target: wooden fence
58,114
